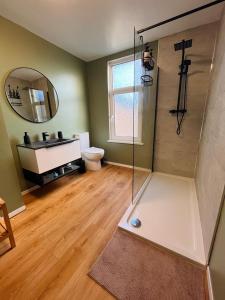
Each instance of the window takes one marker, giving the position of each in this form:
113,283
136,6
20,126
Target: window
37,98
125,104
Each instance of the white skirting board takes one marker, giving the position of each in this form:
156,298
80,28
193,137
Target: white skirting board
127,166
209,282
16,212
33,188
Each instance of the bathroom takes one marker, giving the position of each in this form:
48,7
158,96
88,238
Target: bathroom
124,190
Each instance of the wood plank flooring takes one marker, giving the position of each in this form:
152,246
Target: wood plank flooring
65,227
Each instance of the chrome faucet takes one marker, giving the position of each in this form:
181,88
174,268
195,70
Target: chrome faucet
44,136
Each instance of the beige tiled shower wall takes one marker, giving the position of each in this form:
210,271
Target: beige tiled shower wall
210,174
177,154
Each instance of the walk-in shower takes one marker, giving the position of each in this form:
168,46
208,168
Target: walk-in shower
164,205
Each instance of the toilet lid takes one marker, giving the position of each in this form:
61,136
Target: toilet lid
94,150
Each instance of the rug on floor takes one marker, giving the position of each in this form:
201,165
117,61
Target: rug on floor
134,269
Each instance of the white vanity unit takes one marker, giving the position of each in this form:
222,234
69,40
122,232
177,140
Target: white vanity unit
45,161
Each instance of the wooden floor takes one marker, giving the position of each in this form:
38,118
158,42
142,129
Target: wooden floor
65,227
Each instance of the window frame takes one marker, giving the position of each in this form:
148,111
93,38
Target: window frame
111,104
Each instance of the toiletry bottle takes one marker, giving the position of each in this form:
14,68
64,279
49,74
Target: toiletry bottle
17,93
26,139
10,91
60,134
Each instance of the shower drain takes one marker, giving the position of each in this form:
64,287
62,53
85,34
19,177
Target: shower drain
135,222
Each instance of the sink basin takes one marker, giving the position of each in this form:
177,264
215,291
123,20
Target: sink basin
53,142
47,144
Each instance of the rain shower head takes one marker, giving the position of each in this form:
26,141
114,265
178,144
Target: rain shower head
183,45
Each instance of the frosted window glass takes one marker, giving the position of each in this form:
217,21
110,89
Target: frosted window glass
124,114
37,95
41,115
138,72
123,74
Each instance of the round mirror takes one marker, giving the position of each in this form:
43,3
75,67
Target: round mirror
31,95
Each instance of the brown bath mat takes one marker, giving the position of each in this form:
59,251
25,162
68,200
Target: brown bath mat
131,268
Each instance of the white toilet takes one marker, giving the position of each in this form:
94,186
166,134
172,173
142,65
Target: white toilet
91,155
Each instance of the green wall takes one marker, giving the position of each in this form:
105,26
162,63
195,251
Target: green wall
21,48
98,111
9,184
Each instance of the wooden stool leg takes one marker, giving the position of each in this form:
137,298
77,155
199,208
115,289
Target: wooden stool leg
8,225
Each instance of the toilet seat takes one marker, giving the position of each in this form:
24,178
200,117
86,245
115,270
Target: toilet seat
94,150
92,157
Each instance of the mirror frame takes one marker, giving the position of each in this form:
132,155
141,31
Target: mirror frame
5,85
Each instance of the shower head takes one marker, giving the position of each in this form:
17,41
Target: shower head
183,45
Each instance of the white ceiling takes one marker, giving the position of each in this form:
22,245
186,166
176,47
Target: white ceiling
26,74
90,29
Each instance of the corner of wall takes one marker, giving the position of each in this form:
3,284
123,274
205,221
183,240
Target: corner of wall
9,183
210,174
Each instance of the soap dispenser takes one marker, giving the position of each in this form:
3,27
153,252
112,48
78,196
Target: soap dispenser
60,135
26,139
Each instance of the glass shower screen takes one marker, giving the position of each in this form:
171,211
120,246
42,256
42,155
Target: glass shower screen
144,99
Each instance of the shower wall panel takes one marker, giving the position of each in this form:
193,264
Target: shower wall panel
210,175
177,154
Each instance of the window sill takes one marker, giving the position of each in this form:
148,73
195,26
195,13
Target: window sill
125,142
